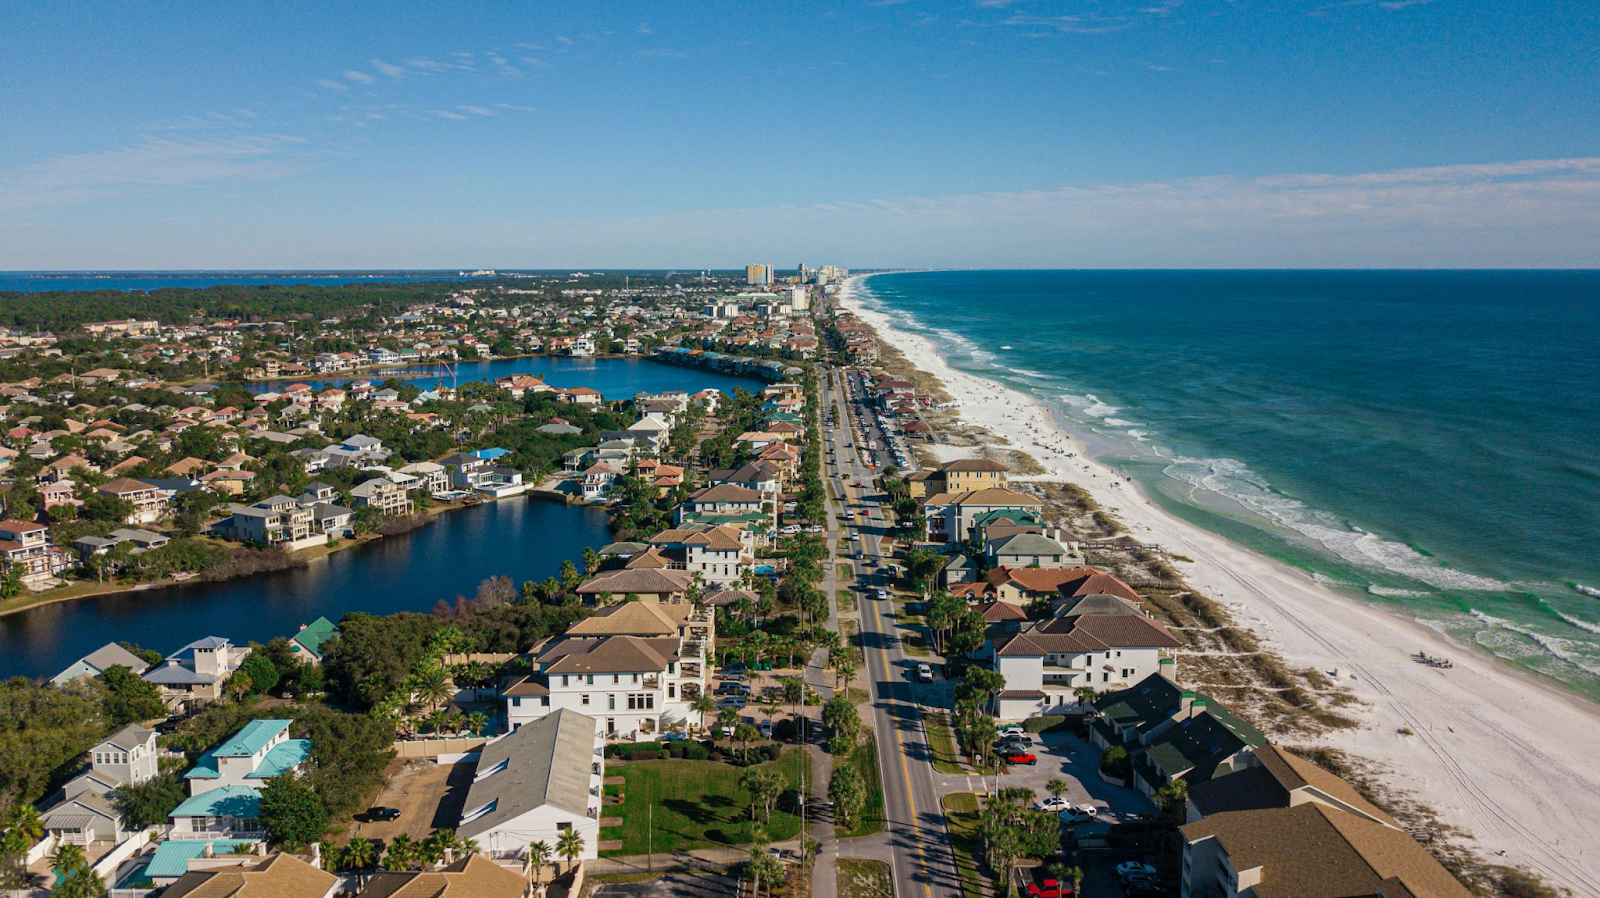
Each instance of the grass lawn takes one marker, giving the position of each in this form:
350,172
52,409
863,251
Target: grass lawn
942,742
697,804
865,760
864,879
961,811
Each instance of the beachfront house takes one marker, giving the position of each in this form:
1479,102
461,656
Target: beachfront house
1171,733
951,516
197,672
1103,648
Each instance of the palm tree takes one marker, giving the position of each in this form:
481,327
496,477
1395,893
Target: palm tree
846,668
1057,787
358,855
433,686
570,846
539,855
728,718
1085,694
402,851
703,705
476,721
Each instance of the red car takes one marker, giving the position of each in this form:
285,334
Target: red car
1052,888
1020,757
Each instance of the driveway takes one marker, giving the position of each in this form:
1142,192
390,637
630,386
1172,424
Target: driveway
430,796
672,885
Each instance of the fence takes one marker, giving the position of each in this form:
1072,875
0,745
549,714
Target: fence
483,657
433,748
125,849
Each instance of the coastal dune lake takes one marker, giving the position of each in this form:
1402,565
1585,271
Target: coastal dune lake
524,538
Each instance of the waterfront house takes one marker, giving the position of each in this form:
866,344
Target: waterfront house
1308,850
382,494
951,515
719,554
149,501
276,520
26,549
98,662
307,642
662,586
1045,663
1274,777
431,476
598,481
197,671
534,784
1172,733
466,471
964,475
1023,550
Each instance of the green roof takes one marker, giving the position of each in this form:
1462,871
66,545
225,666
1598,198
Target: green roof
1203,746
1016,515
250,740
315,635
1149,701
172,857
283,758
238,802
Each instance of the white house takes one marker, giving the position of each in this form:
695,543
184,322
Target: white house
536,783
1045,664
260,751
198,670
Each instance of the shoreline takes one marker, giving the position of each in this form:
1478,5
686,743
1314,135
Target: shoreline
299,558
1471,754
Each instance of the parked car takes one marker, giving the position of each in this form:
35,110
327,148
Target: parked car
1084,813
731,701
1134,868
735,672
766,728
1142,888
1050,888
730,687
675,736
1053,804
1013,730
374,815
1020,757
924,673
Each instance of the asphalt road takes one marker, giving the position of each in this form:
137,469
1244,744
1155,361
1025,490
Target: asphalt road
921,861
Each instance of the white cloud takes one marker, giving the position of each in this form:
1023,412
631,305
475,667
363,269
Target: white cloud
153,162
476,110
644,28
515,108
359,77
331,85
445,113
389,68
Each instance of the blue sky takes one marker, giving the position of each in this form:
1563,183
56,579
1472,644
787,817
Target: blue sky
1092,133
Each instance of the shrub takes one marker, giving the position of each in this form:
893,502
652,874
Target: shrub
1041,724
695,751
635,751
1115,762
785,730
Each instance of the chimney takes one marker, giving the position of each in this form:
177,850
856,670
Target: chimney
1184,700
1168,667
449,856
261,849
1196,707
207,851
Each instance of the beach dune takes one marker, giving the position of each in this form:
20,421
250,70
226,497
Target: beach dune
1512,761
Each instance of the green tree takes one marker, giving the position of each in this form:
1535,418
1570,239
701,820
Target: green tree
75,876
702,705
360,854
128,698
151,802
570,845
263,674
539,855
848,794
291,812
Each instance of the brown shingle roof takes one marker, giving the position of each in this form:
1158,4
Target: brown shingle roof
279,876
614,654
473,876
636,581
632,619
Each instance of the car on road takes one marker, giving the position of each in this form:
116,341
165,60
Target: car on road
924,673
1083,813
881,595
1020,757
1053,804
1127,869
374,815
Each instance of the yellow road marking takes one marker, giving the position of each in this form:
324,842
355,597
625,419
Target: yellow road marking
905,767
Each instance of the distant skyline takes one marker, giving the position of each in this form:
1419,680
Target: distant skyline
886,133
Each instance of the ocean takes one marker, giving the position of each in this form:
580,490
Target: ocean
1426,440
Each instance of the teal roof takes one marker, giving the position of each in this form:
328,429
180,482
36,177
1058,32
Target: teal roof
251,739
237,802
316,634
172,858
283,758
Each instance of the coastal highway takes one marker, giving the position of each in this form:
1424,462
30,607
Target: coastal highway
918,843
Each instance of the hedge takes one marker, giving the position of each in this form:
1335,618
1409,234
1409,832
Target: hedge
632,750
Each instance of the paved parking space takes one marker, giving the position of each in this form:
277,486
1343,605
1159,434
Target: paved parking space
672,885
1076,761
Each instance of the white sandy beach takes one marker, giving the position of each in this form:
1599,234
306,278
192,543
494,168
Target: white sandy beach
1510,760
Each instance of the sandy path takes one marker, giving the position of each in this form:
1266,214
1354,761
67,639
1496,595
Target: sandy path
1509,759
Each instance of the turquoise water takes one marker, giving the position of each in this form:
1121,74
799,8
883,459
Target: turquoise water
1427,440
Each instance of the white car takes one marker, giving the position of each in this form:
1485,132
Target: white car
1053,804
1013,730
1134,868
1083,813
791,529
924,673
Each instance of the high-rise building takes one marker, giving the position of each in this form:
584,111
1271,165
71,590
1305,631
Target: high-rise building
758,275
800,299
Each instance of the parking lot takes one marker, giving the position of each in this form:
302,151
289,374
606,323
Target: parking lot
1076,761
672,885
430,796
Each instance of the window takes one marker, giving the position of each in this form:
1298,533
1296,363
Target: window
500,765
588,679
611,703
563,825
585,700
615,679
672,690
641,701
566,680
